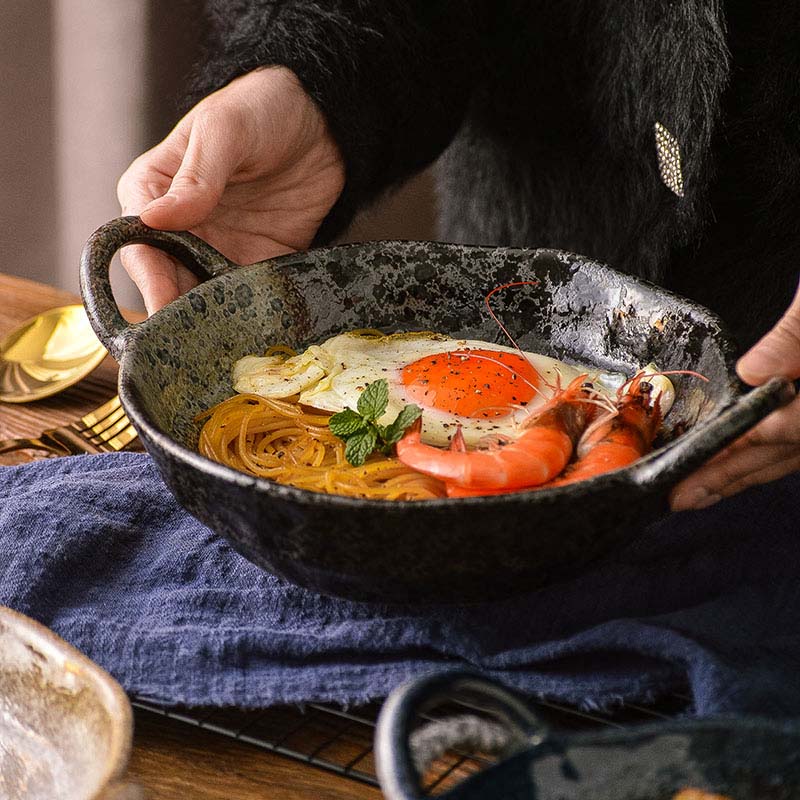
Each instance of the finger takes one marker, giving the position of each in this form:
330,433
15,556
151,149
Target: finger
212,156
779,427
780,462
733,474
150,175
777,353
735,466
159,277
776,437
735,470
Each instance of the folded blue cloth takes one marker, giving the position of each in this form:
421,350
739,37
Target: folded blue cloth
96,548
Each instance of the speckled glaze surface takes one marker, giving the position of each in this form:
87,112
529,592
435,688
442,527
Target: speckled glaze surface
742,758
179,362
65,724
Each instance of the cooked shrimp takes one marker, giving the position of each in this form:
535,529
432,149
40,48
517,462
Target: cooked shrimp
617,439
537,456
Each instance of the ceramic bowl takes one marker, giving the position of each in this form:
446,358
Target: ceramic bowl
744,758
178,363
65,724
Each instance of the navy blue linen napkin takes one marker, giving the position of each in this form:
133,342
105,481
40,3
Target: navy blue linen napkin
96,548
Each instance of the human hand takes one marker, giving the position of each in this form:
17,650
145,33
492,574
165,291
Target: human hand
252,169
771,449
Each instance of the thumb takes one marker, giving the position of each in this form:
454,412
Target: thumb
777,353
197,187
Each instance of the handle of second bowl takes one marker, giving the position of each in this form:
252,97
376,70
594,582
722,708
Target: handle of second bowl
696,446
395,761
103,312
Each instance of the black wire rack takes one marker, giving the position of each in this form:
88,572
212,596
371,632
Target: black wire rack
340,741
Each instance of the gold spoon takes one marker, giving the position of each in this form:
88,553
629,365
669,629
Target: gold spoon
48,353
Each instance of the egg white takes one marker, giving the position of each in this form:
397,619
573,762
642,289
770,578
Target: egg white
332,375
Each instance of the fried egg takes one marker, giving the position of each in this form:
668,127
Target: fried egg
486,388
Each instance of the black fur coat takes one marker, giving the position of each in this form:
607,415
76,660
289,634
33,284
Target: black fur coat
543,114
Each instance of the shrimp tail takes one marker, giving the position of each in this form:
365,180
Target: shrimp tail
614,440
458,445
539,454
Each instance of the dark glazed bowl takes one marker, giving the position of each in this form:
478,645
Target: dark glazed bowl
179,361
742,758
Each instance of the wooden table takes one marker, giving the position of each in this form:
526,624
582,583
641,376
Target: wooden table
170,759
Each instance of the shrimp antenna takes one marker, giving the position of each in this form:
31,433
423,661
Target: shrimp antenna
682,372
601,402
495,317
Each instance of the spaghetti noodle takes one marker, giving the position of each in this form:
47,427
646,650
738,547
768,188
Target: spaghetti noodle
288,443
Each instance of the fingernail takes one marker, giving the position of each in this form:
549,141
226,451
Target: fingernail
695,499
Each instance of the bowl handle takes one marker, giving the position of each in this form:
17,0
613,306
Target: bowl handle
696,446
401,756
104,314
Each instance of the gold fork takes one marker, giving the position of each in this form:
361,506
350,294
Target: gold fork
105,430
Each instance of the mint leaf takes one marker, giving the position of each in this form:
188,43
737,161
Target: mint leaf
362,435
374,399
360,445
405,419
346,423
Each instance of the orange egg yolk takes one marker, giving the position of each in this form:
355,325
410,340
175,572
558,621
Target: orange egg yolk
471,383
